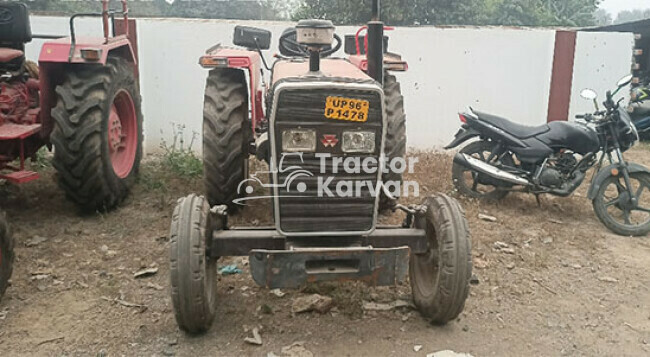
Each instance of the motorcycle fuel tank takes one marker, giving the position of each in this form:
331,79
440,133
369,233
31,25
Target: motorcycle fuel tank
576,137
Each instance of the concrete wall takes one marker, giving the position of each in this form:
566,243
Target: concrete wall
499,70
602,58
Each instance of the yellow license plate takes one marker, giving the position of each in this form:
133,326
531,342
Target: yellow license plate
340,108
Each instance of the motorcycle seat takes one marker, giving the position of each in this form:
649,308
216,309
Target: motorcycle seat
9,54
517,130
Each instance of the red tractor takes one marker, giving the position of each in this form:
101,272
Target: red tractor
83,99
315,113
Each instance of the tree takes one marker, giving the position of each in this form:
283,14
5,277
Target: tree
456,12
394,12
223,9
602,17
573,13
632,15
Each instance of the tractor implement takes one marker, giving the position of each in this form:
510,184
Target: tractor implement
319,110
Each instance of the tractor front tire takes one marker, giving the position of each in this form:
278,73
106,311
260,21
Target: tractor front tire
440,277
395,144
193,270
226,135
97,133
6,254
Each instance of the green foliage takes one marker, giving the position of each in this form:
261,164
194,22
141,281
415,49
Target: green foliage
181,159
573,13
456,12
213,9
632,15
394,12
602,17
42,159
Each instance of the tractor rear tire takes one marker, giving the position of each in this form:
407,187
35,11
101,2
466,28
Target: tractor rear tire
97,133
193,270
440,277
395,145
6,254
226,136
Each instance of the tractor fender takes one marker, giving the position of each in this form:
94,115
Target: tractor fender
607,172
225,57
58,51
53,61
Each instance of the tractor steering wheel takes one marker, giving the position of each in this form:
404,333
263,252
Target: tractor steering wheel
290,47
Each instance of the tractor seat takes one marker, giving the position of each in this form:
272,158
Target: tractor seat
10,54
517,130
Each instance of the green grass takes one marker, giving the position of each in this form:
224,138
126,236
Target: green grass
178,157
41,160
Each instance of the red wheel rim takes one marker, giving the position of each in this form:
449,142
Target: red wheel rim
122,134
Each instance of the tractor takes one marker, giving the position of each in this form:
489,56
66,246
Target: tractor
82,99
314,112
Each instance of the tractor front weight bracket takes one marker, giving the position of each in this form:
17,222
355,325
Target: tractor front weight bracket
276,261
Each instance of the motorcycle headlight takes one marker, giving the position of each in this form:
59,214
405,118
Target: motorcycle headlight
358,141
299,140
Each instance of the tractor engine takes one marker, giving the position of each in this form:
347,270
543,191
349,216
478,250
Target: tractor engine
18,87
15,101
325,126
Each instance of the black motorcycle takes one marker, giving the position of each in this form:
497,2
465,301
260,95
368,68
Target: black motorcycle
639,110
554,158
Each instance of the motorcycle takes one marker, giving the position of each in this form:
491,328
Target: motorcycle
639,110
554,159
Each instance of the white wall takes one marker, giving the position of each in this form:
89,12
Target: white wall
602,58
500,70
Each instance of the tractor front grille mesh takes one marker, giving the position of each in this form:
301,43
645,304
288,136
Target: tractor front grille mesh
313,213
308,211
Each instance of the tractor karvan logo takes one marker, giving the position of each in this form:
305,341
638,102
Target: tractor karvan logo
293,179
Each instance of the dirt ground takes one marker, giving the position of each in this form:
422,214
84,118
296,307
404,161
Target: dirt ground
569,288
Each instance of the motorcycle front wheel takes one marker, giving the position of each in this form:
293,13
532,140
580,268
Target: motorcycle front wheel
473,184
614,206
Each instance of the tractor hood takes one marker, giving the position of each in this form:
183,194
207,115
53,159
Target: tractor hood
330,68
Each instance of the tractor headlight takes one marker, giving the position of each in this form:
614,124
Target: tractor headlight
299,140
358,141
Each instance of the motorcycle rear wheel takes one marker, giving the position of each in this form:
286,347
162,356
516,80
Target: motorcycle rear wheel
473,184
613,207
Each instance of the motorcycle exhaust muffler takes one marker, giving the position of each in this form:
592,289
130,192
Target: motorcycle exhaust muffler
487,169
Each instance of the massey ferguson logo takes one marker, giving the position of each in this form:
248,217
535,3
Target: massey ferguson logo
329,140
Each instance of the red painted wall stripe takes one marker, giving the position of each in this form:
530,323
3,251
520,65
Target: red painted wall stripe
562,77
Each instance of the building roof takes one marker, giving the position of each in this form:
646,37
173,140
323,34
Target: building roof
641,26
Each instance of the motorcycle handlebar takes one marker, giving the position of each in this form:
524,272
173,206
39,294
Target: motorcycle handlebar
590,117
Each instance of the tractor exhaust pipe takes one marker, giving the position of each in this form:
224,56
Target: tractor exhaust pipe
376,10
375,53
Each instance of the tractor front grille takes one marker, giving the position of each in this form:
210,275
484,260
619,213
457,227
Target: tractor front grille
312,211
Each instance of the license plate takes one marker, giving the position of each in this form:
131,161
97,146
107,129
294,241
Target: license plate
340,108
